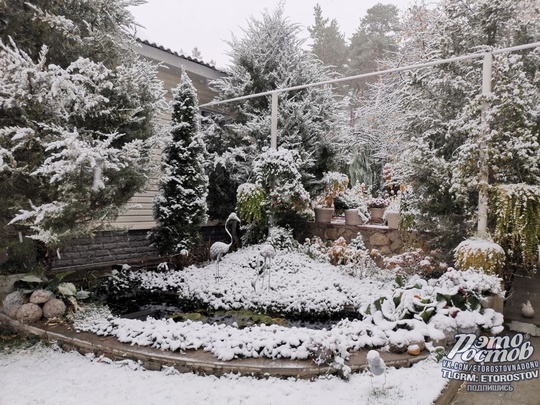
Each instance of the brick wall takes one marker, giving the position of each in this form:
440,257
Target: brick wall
105,248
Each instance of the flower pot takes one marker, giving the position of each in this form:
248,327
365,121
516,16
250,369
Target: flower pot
352,217
377,214
324,215
392,219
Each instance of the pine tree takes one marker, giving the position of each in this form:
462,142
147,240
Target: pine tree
79,112
328,42
269,57
446,106
374,40
180,209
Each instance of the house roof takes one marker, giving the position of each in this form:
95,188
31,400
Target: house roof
170,51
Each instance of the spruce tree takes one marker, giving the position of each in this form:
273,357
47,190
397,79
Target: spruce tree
180,208
79,112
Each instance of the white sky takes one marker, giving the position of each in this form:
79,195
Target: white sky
182,25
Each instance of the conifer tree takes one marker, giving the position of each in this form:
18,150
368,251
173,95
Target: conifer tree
180,208
79,112
374,40
328,42
445,104
269,57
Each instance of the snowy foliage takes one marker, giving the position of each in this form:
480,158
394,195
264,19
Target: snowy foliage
445,107
79,112
310,121
409,311
180,208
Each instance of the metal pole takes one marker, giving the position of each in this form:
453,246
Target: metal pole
273,128
483,192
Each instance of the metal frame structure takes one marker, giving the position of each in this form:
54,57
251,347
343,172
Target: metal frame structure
486,90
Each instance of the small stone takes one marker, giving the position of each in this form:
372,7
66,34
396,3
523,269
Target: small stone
413,350
54,308
41,296
29,313
13,302
378,239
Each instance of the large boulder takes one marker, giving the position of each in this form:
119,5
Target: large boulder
41,296
13,302
29,313
54,308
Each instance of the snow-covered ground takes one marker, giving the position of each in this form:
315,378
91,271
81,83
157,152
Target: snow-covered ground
46,376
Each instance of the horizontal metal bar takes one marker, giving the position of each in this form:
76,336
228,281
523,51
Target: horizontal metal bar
378,73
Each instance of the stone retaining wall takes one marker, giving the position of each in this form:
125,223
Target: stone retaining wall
387,241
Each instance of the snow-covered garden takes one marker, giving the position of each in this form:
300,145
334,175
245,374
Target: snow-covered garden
393,311
80,131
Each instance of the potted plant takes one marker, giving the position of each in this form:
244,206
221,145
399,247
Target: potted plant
353,200
376,207
334,184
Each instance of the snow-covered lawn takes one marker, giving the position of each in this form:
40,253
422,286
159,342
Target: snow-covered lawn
394,312
46,376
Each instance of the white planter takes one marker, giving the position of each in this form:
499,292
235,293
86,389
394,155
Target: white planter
352,217
392,218
376,214
324,215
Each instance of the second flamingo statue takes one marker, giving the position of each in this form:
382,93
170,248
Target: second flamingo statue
219,249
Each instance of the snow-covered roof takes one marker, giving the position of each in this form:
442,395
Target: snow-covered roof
170,51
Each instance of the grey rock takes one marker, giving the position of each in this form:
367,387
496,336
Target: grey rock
41,296
29,313
54,308
13,302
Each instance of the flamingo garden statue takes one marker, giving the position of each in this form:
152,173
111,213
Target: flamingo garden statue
268,253
219,249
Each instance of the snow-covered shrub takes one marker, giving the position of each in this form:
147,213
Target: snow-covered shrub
416,261
354,256
251,202
281,238
277,171
481,254
334,184
278,191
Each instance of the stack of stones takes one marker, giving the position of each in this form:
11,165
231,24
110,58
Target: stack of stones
31,308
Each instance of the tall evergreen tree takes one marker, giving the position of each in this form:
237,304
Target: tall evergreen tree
375,38
374,42
328,42
269,57
180,208
445,102
79,111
